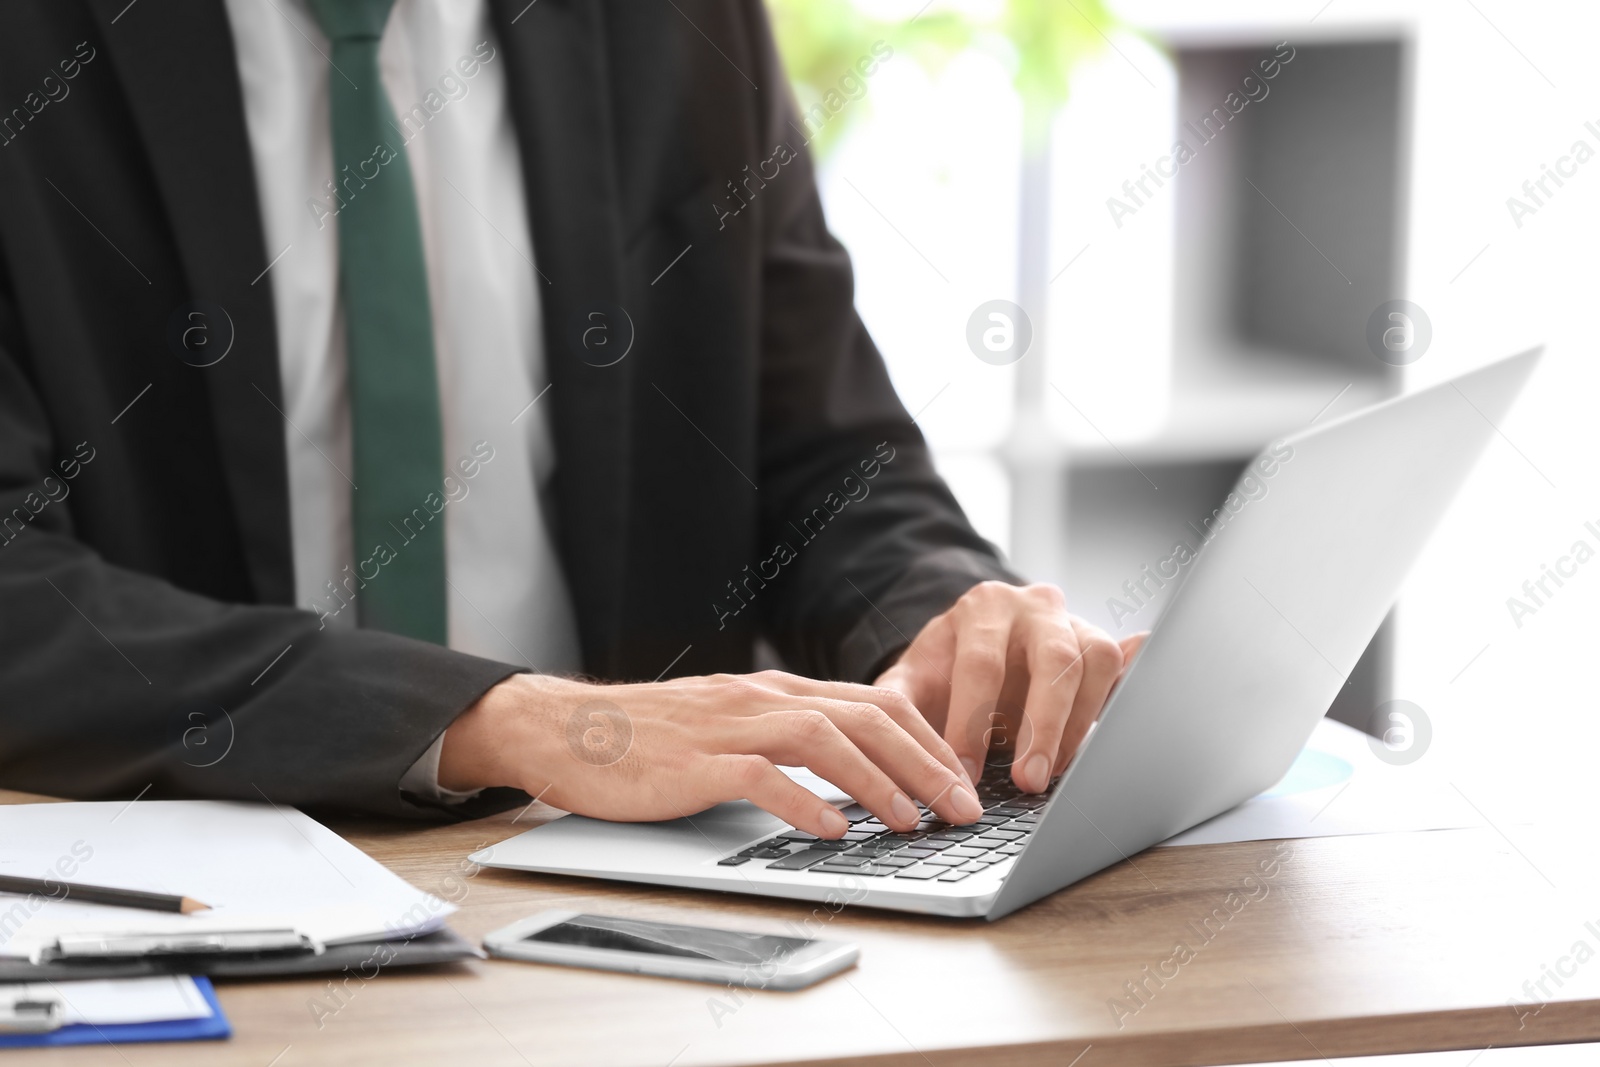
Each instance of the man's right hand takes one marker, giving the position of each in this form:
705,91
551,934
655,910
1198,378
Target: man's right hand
663,750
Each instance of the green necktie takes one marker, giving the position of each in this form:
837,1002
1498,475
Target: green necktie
394,393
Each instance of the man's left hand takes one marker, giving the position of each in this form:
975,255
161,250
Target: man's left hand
1007,665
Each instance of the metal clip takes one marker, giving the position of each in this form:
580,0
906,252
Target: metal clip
29,1015
101,946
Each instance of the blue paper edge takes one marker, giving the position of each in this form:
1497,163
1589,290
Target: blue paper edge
213,1028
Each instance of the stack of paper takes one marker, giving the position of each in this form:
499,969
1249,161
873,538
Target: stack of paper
1337,787
260,867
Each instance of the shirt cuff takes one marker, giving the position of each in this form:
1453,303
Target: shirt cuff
422,780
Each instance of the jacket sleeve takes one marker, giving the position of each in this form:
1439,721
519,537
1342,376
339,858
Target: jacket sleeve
865,537
116,683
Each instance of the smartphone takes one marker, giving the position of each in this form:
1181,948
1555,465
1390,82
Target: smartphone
671,950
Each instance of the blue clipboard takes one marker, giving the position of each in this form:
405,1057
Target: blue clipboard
211,1028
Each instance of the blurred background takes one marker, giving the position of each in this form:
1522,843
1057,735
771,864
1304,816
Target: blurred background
1187,307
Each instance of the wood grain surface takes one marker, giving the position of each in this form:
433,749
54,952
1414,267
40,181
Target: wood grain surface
1216,954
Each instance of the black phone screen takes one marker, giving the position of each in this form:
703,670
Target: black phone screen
669,939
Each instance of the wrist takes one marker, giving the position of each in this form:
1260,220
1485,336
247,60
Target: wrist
497,740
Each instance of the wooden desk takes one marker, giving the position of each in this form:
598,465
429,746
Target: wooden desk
1359,945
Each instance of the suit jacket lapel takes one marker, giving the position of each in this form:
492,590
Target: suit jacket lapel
556,71
175,61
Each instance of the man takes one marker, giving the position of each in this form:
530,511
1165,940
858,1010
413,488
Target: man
366,374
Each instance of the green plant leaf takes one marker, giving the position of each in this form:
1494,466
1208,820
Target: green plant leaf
823,41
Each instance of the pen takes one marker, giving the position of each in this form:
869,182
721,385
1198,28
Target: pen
99,894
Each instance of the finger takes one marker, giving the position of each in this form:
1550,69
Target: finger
811,737
942,786
1130,647
975,684
754,778
806,737
1102,663
923,671
925,770
1056,670
895,703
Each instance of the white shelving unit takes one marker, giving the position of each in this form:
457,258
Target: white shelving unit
1288,231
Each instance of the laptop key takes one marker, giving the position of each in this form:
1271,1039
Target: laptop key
831,867
972,868
799,861
954,876
733,861
922,872
896,862
964,852
945,861
833,845
918,853
849,859
771,854
797,835
855,813
1004,835
1009,850
870,870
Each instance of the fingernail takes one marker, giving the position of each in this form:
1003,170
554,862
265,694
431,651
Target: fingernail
970,765
1036,772
902,809
965,803
833,823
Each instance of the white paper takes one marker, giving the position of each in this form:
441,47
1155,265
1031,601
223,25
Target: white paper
116,1001
259,867
1339,786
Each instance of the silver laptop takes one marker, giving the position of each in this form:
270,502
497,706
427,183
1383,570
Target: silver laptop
1245,659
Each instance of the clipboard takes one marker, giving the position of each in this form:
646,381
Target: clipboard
214,1027
366,958
259,867
286,894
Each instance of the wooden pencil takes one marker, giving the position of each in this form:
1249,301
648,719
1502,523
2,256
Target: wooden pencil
100,894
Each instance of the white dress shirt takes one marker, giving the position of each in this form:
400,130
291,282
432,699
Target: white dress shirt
446,79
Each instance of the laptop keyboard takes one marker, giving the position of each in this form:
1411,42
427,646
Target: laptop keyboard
934,851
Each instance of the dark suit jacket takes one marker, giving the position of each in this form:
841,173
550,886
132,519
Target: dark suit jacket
147,631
